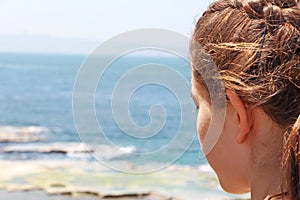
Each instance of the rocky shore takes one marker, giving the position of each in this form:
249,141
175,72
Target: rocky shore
67,178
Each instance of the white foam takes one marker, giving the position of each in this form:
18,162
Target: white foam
111,152
128,149
21,134
35,129
66,148
205,168
23,129
78,155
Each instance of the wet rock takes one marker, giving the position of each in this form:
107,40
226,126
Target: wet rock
64,148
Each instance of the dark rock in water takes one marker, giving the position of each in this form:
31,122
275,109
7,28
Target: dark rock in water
69,191
137,196
21,134
64,148
78,192
126,195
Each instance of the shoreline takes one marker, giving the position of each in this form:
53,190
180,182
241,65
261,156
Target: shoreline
35,169
79,178
41,195
37,195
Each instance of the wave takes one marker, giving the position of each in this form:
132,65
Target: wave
71,149
111,152
21,133
23,129
128,149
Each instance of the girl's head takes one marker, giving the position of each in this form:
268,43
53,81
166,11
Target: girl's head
255,46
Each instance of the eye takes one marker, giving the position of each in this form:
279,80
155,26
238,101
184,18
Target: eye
195,102
196,109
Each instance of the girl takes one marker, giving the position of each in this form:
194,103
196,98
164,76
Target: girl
255,46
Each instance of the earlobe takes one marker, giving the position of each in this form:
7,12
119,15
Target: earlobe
242,113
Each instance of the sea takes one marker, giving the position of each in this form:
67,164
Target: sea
37,90
148,117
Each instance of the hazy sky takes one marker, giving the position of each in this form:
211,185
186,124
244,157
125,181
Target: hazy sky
81,25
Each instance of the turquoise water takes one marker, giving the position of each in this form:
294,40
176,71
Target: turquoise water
36,90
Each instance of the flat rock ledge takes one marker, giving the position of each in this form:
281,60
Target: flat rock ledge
64,148
85,192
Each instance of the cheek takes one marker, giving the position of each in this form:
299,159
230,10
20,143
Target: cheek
203,121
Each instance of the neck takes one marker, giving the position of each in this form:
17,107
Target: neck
266,183
266,173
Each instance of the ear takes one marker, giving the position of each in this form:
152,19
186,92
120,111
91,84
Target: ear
242,113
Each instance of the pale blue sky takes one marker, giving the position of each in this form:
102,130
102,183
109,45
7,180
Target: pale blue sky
80,25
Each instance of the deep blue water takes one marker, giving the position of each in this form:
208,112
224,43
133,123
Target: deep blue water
36,90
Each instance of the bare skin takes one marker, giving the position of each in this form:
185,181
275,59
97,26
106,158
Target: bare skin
247,155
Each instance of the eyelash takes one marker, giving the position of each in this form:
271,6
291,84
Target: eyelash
195,102
196,109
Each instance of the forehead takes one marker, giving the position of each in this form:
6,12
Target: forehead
199,90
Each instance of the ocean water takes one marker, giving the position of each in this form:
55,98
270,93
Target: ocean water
36,90
36,93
